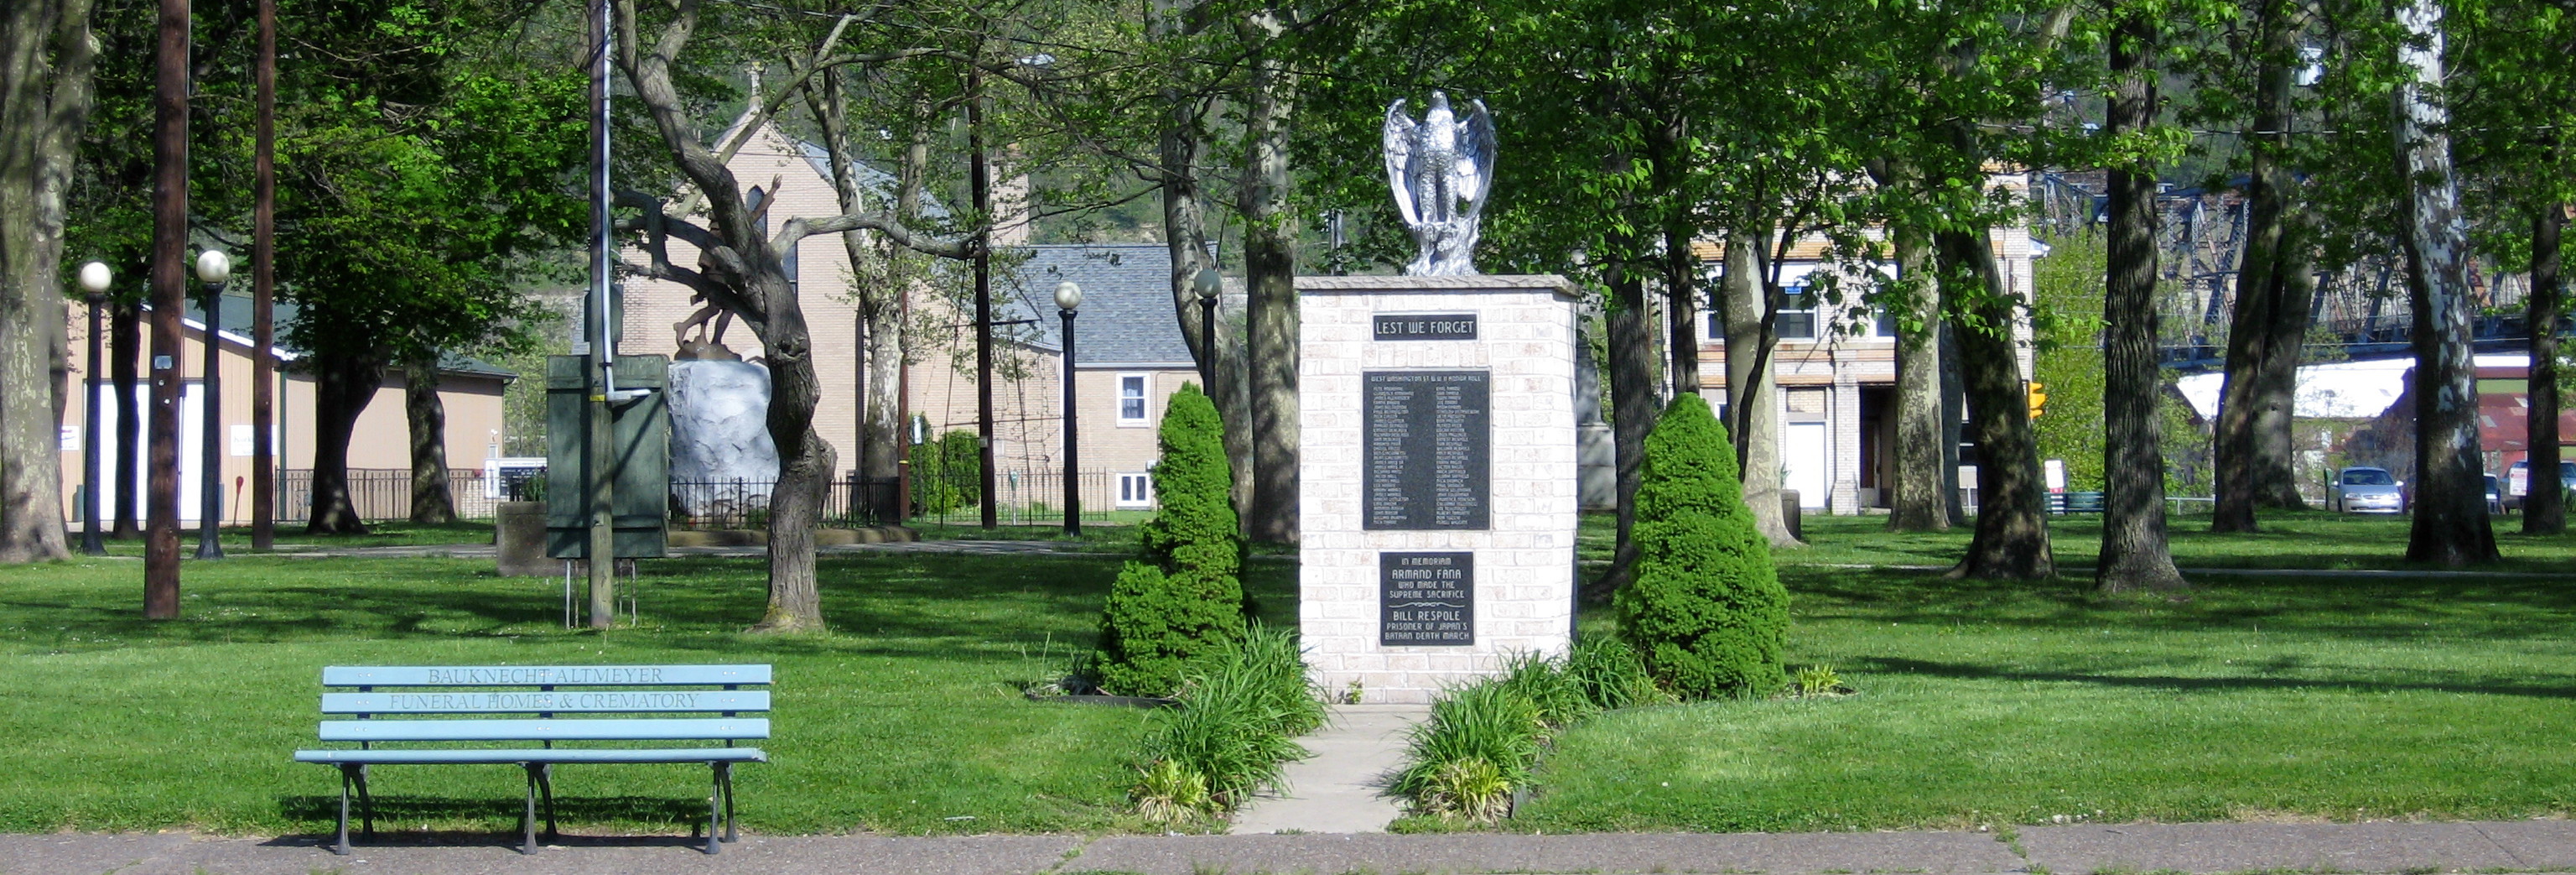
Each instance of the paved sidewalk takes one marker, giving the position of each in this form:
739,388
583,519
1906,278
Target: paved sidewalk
1337,789
2522,846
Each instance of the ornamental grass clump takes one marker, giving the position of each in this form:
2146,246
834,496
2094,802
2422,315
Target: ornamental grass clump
1231,729
1706,610
1483,740
1182,599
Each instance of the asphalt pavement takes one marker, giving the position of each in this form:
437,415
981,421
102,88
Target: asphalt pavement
2387,847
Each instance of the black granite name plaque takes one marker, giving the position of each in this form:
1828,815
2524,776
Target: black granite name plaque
1438,326
1429,449
1426,599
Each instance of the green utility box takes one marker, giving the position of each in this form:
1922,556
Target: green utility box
639,456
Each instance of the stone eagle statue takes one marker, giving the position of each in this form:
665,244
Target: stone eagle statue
1441,168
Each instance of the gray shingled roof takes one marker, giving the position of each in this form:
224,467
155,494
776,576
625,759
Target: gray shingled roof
1126,317
877,183
237,316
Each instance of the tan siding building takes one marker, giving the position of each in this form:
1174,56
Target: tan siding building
382,440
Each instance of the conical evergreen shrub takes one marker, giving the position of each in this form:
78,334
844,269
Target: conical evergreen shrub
1182,598
1706,609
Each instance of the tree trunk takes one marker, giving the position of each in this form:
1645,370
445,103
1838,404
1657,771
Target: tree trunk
2134,552
2273,288
1916,500
125,332
46,52
1185,236
2451,526
804,469
1270,278
1752,391
2544,507
1681,307
342,386
431,503
2011,540
880,315
1632,408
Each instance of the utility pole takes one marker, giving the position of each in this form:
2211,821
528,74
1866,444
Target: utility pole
263,289
979,178
603,351
169,296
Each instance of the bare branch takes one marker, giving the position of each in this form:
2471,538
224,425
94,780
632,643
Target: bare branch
893,229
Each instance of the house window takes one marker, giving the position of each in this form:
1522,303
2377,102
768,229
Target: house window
1131,399
1797,314
1883,324
1135,490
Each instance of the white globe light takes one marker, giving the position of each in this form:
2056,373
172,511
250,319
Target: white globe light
1067,295
94,278
1208,282
213,267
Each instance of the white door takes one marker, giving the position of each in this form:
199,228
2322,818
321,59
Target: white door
1807,454
191,430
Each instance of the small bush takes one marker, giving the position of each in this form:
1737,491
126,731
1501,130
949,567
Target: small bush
1483,739
933,492
1706,609
1233,727
1488,722
1611,675
1182,598
962,462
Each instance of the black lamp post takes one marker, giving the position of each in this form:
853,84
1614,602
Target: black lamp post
1208,283
213,267
94,278
1068,297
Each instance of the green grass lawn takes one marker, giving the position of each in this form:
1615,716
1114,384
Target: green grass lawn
907,719
2259,697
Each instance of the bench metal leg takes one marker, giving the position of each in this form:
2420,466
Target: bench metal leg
348,776
724,775
546,791
715,807
366,806
528,814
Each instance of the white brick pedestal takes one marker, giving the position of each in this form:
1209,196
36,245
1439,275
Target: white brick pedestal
1523,564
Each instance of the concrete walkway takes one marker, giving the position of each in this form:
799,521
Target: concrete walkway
2519,846
1337,790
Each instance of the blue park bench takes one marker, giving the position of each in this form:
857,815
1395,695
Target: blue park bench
2074,502
617,703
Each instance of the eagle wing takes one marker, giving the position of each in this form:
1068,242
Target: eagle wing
1475,168
1399,133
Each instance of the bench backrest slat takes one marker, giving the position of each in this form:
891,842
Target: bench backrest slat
531,675
548,702
545,730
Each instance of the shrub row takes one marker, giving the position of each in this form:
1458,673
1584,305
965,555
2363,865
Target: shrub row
947,473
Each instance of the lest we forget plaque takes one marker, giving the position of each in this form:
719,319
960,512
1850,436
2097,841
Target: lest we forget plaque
1426,599
1428,450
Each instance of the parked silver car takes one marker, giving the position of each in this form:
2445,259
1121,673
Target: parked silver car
2366,490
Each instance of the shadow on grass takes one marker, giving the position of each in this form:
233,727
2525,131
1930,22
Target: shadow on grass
2362,608
2564,688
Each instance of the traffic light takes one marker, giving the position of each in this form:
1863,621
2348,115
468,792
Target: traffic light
2038,399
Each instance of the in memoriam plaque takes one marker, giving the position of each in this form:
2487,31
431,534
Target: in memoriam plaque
1426,599
1429,441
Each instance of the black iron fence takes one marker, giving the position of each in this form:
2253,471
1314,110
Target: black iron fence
377,494
1020,498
